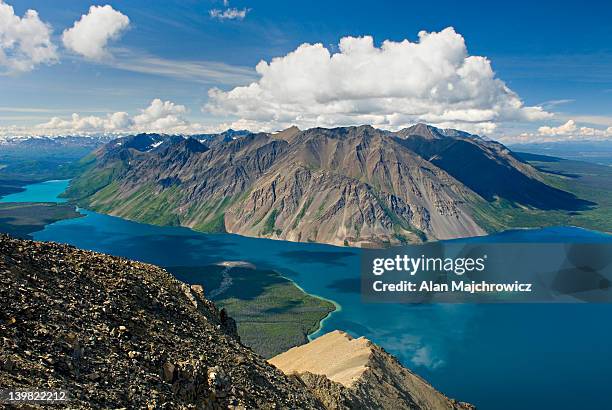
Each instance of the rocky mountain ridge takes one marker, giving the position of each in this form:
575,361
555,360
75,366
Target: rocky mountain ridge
356,186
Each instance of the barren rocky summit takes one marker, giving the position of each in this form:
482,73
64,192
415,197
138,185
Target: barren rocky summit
117,333
356,373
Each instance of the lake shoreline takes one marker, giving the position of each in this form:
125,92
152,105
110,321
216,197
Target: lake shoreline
338,308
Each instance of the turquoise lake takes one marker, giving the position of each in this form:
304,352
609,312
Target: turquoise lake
504,356
41,192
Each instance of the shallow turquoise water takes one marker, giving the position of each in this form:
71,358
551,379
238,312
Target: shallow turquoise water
526,356
41,192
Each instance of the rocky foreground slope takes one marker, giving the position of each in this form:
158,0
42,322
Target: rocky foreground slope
355,373
118,333
356,186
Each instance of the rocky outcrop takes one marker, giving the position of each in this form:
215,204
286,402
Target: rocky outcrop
118,333
347,373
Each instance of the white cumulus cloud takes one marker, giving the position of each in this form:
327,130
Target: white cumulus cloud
569,131
90,35
84,124
568,128
433,80
159,116
588,131
25,42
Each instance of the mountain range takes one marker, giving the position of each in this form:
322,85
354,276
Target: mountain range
355,186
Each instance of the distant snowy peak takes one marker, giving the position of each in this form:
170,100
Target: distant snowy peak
146,142
89,139
55,141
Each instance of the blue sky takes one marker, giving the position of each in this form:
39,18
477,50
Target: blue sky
552,55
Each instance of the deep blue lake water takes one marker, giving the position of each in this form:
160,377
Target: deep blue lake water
505,356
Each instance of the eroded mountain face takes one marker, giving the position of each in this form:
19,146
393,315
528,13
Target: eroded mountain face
486,167
356,186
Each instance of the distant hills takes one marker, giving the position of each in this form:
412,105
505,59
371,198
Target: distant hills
29,159
598,152
26,160
357,186
94,141
47,146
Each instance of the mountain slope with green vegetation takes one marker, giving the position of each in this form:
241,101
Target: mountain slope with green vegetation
355,186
